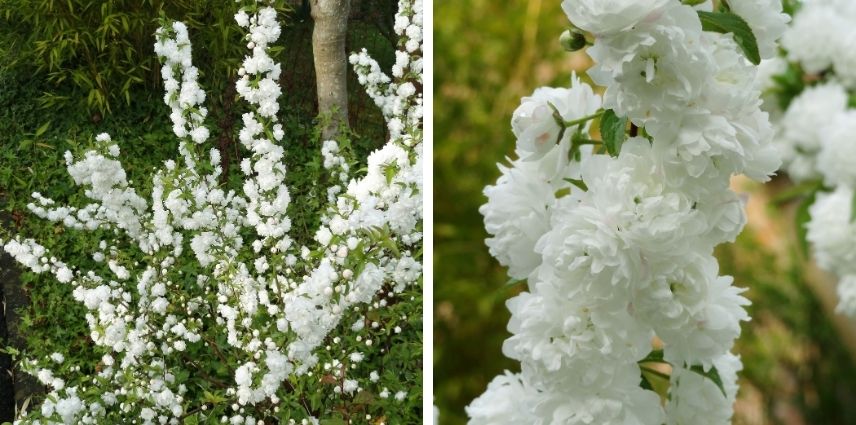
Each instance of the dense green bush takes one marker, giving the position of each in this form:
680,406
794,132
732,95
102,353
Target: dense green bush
104,49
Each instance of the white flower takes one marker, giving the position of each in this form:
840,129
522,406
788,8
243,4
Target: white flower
836,158
805,127
64,275
625,228
832,232
242,18
559,330
623,403
506,401
147,414
658,70
45,376
517,212
694,311
814,37
535,126
605,17
349,386
731,89
534,122
766,20
698,400
847,295
845,61
199,134
68,408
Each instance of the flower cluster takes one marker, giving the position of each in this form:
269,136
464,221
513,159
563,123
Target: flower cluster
820,36
399,97
813,81
617,250
202,303
184,98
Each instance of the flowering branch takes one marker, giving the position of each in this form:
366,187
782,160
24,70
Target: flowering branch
606,274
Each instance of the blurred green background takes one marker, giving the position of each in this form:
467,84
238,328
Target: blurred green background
488,54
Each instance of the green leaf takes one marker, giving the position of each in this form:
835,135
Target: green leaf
43,129
727,22
790,6
333,421
646,384
390,170
711,374
655,356
213,398
192,420
612,128
578,183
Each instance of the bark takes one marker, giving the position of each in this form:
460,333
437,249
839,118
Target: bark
331,61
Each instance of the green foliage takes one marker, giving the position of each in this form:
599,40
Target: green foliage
104,49
612,130
789,85
727,22
31,159
791,6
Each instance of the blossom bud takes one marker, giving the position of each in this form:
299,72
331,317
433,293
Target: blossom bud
535,126
572,40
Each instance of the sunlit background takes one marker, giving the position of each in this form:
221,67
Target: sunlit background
799,356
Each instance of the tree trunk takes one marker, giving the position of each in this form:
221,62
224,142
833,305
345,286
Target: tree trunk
331,62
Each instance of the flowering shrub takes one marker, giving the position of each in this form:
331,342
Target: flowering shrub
810,87
204,307
615,236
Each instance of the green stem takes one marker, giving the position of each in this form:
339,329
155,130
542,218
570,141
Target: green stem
582,120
